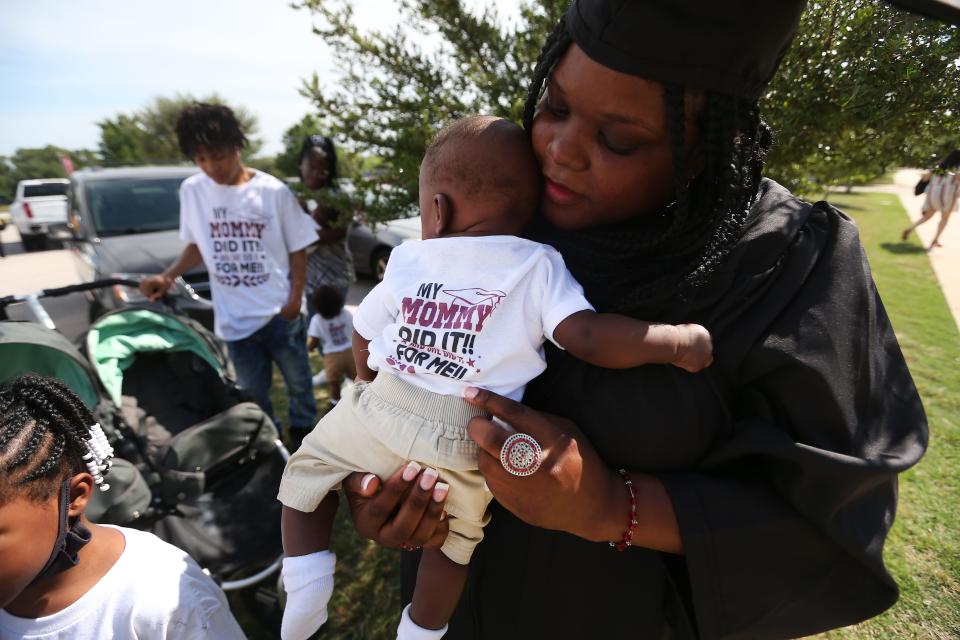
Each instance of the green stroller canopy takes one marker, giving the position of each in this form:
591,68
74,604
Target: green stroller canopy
31,348
115,339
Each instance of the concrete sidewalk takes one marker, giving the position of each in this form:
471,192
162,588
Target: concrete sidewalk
945,259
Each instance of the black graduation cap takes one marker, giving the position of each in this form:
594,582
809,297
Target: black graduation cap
946,10
731,46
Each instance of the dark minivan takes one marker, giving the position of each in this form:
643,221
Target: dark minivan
124,223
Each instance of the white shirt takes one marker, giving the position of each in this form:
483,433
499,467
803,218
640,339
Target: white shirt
471,311
335,334
154,590
245,234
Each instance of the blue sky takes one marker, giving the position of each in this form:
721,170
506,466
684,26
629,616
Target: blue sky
66,65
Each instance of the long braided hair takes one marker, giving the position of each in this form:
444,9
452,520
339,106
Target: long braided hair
646,263
44,428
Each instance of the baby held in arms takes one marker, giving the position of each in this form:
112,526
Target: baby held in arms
469,306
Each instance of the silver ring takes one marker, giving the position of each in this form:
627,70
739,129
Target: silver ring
521,455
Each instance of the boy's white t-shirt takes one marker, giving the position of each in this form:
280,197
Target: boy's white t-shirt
245,234
470,311
335,334
153,591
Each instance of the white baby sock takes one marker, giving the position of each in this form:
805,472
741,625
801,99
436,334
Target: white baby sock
308,581
410,630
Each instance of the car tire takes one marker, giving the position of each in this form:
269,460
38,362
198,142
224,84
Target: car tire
33,242
378,263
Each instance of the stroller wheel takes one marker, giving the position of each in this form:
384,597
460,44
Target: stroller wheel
281,593
259,609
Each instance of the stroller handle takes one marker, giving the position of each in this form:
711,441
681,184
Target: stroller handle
62,291
87,286
32,299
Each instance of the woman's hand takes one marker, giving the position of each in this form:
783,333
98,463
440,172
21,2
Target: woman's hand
404,511
572,491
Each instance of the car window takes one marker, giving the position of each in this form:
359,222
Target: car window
48,189
140,205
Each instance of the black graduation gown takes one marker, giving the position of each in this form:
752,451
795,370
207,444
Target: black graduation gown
781,459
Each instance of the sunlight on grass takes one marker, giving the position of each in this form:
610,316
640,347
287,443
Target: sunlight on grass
923,551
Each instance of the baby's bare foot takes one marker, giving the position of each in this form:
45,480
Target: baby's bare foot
696,348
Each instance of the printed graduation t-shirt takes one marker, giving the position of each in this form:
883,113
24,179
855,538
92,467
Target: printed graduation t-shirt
335,334
468,311
245,234
153,591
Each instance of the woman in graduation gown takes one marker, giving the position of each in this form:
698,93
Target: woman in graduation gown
765,484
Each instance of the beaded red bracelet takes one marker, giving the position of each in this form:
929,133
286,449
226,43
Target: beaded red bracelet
627,539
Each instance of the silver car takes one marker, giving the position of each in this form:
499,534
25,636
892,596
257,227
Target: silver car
371,248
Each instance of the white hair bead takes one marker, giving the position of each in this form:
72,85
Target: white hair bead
98,456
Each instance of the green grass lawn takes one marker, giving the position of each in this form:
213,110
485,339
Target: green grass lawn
923,551
886,178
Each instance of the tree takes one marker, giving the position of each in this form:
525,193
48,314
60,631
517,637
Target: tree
394,94
46,162
865,87
349,165
150,135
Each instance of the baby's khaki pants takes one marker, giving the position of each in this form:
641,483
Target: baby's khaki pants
378,427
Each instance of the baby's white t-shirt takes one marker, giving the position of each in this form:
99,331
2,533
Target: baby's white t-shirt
468,311
153,591
335,334
245,234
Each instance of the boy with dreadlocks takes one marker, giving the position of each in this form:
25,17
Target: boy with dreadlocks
62,576
470,305
249,230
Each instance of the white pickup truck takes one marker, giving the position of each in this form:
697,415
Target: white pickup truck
37,205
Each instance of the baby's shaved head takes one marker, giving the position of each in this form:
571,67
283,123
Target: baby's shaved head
485,158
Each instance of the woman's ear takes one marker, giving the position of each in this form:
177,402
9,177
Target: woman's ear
81,490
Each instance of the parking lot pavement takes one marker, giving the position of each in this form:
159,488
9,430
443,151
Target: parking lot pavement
11,240
357,291
22,273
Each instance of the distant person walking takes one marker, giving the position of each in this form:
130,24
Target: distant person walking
329,262
942,189
249,230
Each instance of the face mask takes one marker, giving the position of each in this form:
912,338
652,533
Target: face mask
71,537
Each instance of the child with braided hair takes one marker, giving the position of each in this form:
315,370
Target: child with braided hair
63,576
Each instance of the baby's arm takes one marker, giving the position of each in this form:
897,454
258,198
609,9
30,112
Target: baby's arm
618,342
312,343
361,349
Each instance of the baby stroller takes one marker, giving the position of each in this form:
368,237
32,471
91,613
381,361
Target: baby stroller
197,463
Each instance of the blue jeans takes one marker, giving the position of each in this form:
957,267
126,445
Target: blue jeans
284,342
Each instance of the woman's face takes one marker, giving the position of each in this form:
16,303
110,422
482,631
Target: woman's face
28,531
315,169
603,145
